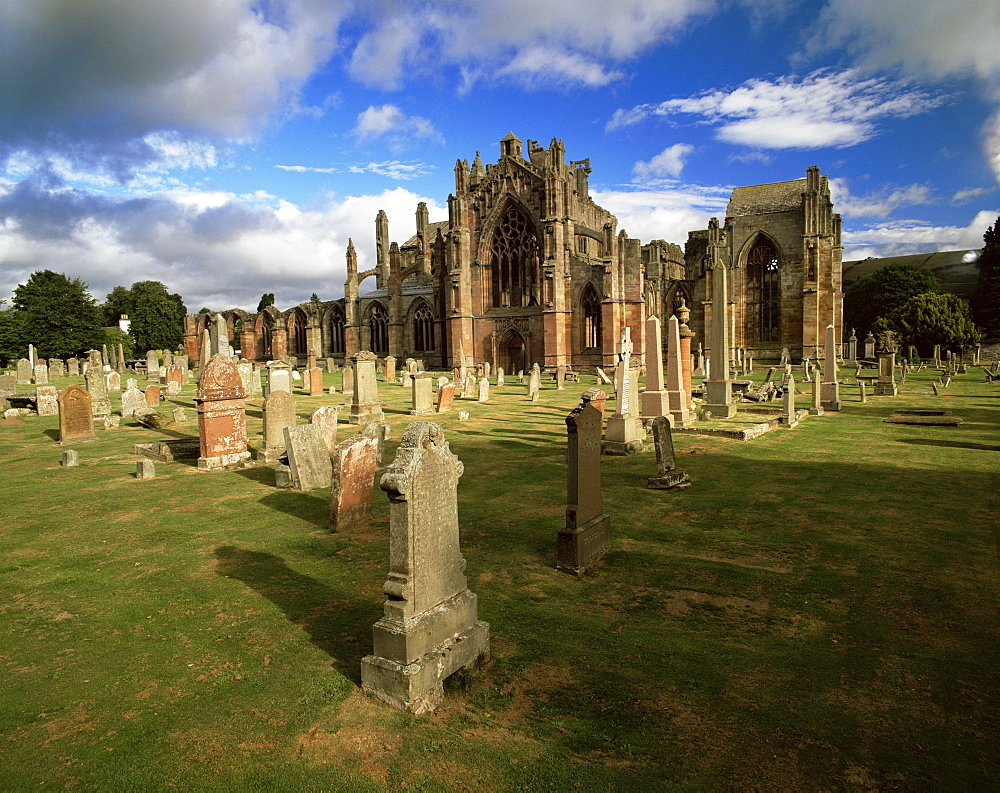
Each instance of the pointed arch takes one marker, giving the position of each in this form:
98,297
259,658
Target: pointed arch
263,331
590,307
422,323
333,329
377,322
762,287
511,249
512,351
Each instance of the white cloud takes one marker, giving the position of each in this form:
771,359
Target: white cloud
819,110
394,169
305,169
215,248
576,42
965,195
667,212
914,236
390,123
880,203
668,163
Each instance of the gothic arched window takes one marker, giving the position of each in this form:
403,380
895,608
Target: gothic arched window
378,328
591,305
336,332
514,260
298,333
423,329
763,306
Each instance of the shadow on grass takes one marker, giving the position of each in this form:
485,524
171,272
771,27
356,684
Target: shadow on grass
54,434
336,624
312,506
952,444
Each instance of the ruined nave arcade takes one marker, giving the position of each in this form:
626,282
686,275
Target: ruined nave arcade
528,268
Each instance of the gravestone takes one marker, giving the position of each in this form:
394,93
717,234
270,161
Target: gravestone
817,408
71,457
314,377
41,374
668,475
325,417
534,384
24,371
121,358
864,393
47,400
852,347
113,381
174,374
145,469
168,359
55,369
446,397
830,393
678,399
389,375
353,480
654,399
624,433
484,390
173,389
520,377
870,346
500,376
152,395
98,389
8,383
308,457
31,355
430,627
719,386
347,382
132,400
246,374
789,417
406,379
76,418
470,390
279,413
365,405
152,365
381,432
279,379
423,394
222,422
178,415
587,534
560,377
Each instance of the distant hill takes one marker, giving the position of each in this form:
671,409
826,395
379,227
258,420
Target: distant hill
955,269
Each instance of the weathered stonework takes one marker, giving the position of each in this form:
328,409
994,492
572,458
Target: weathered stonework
222,422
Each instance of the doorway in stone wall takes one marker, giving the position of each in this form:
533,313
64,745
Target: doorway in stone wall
512,353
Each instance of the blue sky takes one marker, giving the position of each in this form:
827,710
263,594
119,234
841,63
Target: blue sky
230,148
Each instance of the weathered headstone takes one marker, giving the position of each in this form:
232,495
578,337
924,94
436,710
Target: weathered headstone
534,384
624,433
279,379
47,400
179,415
678,399
560,377
325,417
446,397
389,375
145,469
97,386
817,408
132,399
222,423
113,381
365,405
152,395
587,534
71,457
347,382
864,393
423,394
152,365
381,432
500,376
314,377
830,395
41,374
719,386
308,457
24,371
654,399
56,369
430,627
484,390
789,418
353,463
469,389
668,475
279,413
852,347
76,418
246,376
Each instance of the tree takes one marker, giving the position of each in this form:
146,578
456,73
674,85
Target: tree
985,299
157,317
882,292
930,318
115,336
204,310
266,299
12,344
314,299
57,314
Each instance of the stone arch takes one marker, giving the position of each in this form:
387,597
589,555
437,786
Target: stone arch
420,326
298,334
375,328
512,351
760,267
591,322
263,331
510,249
332,326
672,300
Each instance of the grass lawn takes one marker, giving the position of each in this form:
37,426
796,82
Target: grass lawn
819,610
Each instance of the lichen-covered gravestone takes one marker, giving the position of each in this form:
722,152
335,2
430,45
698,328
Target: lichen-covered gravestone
47,400
587,534
325,417
446,397
423,394
76,421
222,418
353,481
308,457
668,475
23,371
279,413
132,400
430,626
365,405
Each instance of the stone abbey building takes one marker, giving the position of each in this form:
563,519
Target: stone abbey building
528,268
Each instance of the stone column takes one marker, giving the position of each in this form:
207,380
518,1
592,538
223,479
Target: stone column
430,626
686,336
678,399
831,383
654,398
587,534
719,388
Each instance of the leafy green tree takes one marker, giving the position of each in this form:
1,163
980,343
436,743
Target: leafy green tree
157,316
266,299
882,292
985,299
930,318
204,310
12,343
57,314
115,336
314,299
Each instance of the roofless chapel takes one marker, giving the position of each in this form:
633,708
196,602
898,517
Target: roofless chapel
528,268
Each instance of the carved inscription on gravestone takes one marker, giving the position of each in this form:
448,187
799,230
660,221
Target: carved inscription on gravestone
76,419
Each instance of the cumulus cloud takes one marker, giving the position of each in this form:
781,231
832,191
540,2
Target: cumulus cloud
904,237
98,81
216,249
820,110
879,203
534,43
667,212
668,163
389,123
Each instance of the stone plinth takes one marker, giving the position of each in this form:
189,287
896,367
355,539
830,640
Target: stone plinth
587,534
429,628
222,420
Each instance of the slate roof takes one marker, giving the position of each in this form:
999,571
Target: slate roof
764,198
431,234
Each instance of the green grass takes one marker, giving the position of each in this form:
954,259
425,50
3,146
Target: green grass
817,611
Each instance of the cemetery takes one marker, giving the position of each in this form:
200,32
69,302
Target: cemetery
335,582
